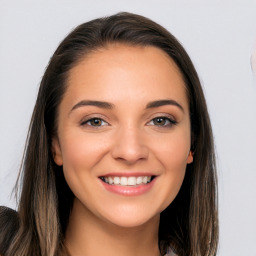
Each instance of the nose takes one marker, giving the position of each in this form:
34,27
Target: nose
130,146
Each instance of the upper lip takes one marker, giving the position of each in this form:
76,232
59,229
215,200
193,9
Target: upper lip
128,174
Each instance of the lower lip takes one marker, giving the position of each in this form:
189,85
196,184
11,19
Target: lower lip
129,190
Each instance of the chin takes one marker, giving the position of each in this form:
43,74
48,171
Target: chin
133,222
128,217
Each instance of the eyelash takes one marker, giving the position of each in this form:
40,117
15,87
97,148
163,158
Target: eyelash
168,122
94,119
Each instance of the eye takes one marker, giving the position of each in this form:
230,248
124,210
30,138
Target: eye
162,121
96,122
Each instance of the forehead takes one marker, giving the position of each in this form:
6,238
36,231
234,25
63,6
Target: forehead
135,70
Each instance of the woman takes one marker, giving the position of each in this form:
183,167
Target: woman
120,156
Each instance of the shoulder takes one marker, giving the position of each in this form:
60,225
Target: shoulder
9,223
9,219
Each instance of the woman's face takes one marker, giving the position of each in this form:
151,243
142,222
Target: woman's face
124,133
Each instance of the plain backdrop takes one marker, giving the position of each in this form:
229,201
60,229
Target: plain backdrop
219,36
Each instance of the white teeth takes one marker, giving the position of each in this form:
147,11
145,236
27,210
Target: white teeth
132,181
116,180
145,179
139,180
123,181
109,180
127,181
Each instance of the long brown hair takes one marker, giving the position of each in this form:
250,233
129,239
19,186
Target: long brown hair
189,225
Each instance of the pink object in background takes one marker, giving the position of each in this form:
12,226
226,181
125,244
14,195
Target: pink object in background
253,60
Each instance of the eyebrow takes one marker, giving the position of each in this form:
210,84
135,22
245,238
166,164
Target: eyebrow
107,105
99,104
159,103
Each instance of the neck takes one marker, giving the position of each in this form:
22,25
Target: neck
91,236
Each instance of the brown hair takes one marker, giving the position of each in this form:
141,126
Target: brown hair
189,225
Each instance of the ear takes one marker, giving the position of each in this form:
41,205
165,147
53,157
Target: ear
190,157
56,152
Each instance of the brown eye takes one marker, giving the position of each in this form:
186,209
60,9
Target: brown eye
95,122
162,121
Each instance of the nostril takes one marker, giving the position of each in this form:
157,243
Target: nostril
130,153
129,145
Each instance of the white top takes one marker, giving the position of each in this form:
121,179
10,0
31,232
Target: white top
170,253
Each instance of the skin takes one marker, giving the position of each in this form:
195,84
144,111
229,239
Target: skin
128,140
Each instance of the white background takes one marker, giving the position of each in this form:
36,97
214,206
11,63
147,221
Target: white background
218,35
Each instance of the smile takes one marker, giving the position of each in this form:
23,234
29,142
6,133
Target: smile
127,181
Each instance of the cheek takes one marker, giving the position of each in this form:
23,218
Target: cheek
173,150
81,154
172,153
81,151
